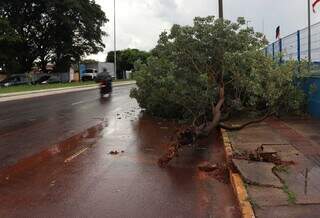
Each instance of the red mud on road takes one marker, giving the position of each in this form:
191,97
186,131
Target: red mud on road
130,184
81,139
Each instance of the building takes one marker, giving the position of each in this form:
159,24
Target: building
2,76
65,77
100,67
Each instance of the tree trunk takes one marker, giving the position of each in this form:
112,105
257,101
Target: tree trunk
216,113
192,134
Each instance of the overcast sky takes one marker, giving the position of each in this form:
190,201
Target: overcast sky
139,22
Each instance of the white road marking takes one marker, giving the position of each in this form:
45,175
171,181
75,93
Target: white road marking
5,120
117,109
76,103
69,159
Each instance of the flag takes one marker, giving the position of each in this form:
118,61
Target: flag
314,5
278,32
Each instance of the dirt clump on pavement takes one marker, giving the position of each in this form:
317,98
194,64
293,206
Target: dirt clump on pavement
262,154
207,167
217,171
115,152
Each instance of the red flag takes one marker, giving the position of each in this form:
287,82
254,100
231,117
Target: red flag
278,32
314,5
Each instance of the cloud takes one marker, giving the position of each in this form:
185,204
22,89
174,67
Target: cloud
139,22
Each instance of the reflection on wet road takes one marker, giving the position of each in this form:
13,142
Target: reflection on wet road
88,181
31,125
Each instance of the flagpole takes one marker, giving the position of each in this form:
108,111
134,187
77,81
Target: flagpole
309,33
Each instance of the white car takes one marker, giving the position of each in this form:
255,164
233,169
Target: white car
90,74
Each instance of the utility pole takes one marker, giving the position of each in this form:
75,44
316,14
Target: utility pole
309,34
115,40
221,9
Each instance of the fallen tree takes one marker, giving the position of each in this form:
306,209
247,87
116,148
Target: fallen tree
212,71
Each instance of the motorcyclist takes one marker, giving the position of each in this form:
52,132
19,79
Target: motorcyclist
105,85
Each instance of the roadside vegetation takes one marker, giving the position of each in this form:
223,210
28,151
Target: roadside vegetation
126,59
211,72
291,195
26,88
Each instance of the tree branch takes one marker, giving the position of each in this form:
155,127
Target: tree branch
239,127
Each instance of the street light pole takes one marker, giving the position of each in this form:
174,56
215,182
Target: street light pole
115,40
221,9
309,33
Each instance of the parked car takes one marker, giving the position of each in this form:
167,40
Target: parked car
89,75
14,80
52,79
42,79
47,79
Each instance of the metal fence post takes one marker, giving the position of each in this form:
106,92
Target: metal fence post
280,50
266,51
273,51
298,46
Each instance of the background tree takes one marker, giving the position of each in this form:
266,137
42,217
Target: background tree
126,59
54,31
82,22
206,72
10,44
89,61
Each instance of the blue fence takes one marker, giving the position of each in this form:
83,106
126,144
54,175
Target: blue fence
295,47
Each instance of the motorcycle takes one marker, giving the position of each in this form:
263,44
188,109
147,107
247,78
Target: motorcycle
105,88
105,82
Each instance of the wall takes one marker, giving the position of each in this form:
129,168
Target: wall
101,66
82,69
312,88
71,75
63,77
2,77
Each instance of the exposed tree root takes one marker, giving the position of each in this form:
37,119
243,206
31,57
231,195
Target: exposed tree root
166,158
184,137
191,134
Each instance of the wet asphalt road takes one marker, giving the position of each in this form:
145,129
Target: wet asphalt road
89,182
31,125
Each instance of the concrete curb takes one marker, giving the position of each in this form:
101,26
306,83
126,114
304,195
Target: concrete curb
40,93
46,90
238,186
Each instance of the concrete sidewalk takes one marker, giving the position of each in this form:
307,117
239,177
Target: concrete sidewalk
287,183
46,92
